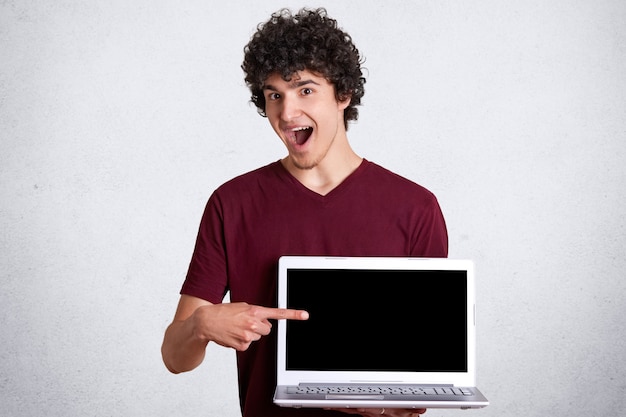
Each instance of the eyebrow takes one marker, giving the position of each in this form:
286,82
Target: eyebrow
294,84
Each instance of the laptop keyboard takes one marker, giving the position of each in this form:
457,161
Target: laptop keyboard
372,390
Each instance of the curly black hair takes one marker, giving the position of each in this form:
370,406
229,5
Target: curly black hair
309,40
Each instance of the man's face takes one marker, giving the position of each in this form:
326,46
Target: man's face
305,114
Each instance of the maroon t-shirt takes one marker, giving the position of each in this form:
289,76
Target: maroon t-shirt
253,219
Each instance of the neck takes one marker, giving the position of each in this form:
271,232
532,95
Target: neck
336,166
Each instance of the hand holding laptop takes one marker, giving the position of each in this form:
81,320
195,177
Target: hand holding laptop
376,412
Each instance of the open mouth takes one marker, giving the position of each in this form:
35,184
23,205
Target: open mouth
300,135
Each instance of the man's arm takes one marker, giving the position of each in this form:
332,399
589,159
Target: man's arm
183,349
198,322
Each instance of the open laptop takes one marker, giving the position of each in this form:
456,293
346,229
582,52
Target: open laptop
383,332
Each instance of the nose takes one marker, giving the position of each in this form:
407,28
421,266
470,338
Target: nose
290,108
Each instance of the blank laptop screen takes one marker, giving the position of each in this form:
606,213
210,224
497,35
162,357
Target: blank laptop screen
378,320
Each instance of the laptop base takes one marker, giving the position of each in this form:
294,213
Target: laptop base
368,396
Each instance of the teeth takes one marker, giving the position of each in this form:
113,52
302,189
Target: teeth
297,129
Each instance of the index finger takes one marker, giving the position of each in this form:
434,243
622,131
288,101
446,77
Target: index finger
284,314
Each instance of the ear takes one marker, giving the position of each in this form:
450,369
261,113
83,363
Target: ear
344,101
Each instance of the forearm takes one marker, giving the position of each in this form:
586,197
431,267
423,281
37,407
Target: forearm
182,350
232,325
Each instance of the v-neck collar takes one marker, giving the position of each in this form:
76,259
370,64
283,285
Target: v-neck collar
330,195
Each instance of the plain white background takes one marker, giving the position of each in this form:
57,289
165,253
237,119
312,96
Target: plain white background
119,118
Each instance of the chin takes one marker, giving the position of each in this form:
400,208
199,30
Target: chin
303,164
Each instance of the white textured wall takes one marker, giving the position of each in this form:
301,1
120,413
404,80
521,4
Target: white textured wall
118,118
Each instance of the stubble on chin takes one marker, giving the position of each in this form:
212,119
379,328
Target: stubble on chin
305,165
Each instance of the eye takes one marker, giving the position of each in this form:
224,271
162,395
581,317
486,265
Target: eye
271,96
306,91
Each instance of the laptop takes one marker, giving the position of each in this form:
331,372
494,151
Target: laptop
383,332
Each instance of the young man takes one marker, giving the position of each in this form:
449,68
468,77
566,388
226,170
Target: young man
321,199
